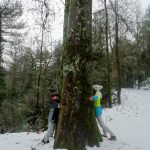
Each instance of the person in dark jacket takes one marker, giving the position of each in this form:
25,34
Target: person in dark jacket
53,116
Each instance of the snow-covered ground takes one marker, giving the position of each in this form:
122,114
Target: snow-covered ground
129,121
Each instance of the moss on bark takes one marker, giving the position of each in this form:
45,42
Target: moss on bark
77,126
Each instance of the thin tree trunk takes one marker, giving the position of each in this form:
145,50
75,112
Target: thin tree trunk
77,126
0,40
40,71
108,60
13,99
13,117
137,44
117,53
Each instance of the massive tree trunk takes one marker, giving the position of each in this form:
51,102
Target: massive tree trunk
77,126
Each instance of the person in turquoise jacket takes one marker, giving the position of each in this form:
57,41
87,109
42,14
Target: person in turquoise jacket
98,111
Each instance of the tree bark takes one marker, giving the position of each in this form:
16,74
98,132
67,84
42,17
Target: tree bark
108,60
117,53
77,125
0,40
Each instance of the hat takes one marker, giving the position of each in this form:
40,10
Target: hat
97,87
54,94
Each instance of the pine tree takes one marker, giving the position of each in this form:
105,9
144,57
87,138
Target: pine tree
146,42
9,12
2,74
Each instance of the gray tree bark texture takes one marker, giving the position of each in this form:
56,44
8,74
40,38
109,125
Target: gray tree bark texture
77,125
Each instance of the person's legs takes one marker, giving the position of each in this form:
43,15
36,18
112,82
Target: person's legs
49,132
50,129
104,127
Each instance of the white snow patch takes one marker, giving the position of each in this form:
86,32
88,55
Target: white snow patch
130,122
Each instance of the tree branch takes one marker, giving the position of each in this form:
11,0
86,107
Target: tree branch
62,2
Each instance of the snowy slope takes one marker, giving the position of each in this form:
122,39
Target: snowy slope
129,121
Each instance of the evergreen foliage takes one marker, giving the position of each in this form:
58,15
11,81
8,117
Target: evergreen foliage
145,56
19,79
2,85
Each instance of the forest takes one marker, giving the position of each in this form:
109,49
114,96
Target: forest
109,46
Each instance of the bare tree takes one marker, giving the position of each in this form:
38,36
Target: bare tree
108,60
45,14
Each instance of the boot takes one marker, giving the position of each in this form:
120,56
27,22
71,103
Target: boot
113,138
45,142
